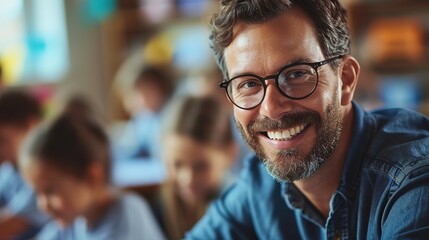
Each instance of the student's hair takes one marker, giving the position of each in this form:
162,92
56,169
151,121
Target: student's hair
202,118
17,107
158,76
71,143
79,105
328,17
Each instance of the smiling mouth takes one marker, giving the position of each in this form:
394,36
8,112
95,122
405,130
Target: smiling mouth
286,134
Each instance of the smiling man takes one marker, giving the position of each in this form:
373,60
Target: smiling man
324,168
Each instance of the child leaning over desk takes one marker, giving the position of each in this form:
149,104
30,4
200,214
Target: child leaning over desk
67,162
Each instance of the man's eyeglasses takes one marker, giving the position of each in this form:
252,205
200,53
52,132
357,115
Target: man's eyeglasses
295,81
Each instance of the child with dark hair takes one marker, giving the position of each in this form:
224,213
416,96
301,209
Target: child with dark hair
20,112
152,89
67,162
199,149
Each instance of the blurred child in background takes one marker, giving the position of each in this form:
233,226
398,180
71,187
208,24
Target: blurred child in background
67,162
20,218
211,88
152,89
208,85
198,149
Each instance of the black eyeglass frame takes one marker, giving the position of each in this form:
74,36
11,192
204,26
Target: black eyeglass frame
314,65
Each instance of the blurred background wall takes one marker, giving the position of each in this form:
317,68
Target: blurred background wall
95,47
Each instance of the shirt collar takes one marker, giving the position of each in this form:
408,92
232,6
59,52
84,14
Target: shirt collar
358,147
296,200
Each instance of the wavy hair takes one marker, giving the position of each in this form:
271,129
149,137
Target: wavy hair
328,17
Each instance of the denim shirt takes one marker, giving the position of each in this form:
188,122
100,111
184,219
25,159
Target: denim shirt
383,192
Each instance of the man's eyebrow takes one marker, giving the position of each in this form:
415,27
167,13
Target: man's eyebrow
297,61
291,62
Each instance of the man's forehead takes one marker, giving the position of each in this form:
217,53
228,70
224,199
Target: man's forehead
281,40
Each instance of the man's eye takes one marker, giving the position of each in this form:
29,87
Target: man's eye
297,74
250,83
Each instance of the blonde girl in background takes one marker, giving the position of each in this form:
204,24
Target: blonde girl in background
198,149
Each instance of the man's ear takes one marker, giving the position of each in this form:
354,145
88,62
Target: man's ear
349,76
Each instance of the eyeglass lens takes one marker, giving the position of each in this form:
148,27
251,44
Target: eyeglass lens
295,82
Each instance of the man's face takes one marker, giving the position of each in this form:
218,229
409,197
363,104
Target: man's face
292,137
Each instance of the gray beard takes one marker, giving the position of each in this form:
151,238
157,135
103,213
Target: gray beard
291,165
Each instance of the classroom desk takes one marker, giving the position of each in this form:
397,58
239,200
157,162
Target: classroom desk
143,176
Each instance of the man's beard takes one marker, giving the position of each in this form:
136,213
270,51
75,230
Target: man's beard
291,165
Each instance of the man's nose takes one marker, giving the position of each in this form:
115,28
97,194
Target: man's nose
274,104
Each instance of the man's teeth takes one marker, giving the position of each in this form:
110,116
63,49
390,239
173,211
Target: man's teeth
286,134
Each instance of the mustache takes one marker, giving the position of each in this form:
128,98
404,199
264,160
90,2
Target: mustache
286,121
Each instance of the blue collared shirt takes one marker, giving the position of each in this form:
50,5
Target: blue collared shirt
383,192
